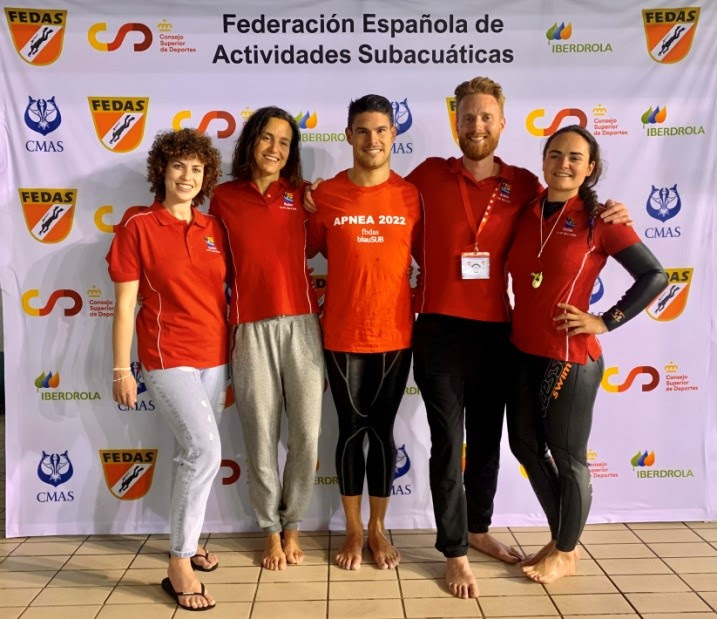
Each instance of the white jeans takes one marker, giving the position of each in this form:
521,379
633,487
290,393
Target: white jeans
190,400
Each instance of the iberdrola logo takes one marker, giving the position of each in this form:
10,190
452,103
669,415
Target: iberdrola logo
559,33
658,115
643,459
306,121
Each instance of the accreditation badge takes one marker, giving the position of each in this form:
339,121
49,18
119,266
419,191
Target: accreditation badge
475,265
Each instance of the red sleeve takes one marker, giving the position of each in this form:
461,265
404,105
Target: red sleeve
614,238
125,263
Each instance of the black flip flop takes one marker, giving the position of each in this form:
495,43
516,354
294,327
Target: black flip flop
201,568
167,586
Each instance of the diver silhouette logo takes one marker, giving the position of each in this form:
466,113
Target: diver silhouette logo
128,472
669,32
664,203
49,212
42,115
54,468
671,302
37,34
119,121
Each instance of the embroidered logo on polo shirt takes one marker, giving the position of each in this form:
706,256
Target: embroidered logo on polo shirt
568,228
288,202
505,191
209,240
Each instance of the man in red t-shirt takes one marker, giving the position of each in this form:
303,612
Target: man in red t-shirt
365,226
460,343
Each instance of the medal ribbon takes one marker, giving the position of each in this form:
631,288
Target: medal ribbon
469,211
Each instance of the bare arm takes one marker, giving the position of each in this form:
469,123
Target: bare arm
124,387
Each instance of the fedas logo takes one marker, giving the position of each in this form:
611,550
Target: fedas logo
557,34
663,203
669,32
43,117
28,295
169,41
52,381
658,116
55,469
671,302
37,34
128,472
644,459
119,121
48,212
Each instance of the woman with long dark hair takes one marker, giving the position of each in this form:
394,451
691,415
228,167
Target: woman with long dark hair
559,248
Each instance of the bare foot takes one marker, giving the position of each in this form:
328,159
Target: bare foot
292,549
553,566
487,544
273,557
386,555
204,560
460,579
349,555
538,556
182,578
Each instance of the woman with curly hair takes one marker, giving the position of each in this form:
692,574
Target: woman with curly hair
174,257
559,248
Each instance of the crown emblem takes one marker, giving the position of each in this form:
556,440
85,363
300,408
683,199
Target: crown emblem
592,454
94,292
164,26
599,110
671,367
245,113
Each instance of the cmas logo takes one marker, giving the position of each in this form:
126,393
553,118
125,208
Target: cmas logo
43,116
663,203
402,119
48,212
37,34
669,32
657,116
55,469
671,302
48,380
308,122
119,121
557,34
128,472
643,461
403,465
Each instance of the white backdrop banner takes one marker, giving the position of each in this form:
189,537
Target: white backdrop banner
87,85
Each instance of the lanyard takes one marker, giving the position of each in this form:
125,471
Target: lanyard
469,211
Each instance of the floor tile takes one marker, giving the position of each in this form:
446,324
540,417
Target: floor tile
581,585
619,551
635,526
706,615
532,538
634,566
143,576
427,570
418,555
61,612
28,549
710,597
139,594
232,592
709,535
100,562
650,536
524,606
712,524
605,603
29,564
279,591
18,597
11,613
646,583
24,580
693,565
609,537
425,589
495,569
227,610
667,602
701,582
606,526
155,611
694,549
296,573
440,607
367,572
274,610
509,586
367,590
86,578
69,596
620,616
427,540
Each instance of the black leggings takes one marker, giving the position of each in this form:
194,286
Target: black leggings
549,414
367,390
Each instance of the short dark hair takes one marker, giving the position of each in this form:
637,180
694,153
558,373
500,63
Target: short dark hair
243,164
370,103
181,144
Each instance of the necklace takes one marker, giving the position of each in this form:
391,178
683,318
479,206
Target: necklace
538,277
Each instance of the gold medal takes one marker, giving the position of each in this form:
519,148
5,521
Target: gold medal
537,279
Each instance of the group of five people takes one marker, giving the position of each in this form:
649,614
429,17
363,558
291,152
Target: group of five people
467,222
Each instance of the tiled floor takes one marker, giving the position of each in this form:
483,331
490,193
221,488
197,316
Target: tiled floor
636,570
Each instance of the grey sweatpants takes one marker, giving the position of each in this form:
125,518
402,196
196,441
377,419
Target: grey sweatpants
277,364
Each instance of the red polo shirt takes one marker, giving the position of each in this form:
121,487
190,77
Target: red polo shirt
447,233
366,234
267,243
569,269
181,270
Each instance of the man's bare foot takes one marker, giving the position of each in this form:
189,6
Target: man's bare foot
292,549
460,579
487,544
182,578
538,556
349,555
553,566
386,555
273,557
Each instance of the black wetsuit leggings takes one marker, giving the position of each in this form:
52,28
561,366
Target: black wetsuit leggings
367,390
549,414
